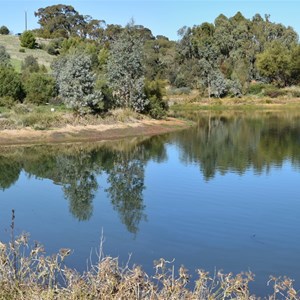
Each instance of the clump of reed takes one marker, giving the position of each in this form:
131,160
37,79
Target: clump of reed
26,273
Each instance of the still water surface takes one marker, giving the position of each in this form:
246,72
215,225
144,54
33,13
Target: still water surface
221,195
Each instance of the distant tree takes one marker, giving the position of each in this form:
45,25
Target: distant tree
61,20
4,56
10,83
4,30
28,40
125,71
76,83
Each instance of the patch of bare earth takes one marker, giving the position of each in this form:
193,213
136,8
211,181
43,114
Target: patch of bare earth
90,132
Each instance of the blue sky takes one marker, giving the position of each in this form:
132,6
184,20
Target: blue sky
162,17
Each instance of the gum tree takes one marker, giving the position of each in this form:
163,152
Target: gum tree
76,83
125,71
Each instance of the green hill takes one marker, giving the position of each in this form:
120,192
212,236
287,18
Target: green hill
12,45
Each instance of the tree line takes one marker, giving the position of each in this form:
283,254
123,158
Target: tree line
100,66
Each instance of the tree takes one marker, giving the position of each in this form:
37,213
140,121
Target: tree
76,83
274,63
4,30
64,21
28,40
125,71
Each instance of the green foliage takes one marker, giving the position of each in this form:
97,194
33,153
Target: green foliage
22,50
7,101
295,64
64,21
256,88
273,91
53,48
28,40
30,64
242,50
154,91
76,83
4,57
39,88
125,71
10,83
275,63
4,30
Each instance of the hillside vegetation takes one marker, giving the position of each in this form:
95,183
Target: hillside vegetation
12,46
86,66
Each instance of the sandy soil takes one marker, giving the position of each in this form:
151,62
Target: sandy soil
90,132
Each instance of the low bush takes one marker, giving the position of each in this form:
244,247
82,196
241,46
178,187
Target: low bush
7,101
256,88
179,91
273,92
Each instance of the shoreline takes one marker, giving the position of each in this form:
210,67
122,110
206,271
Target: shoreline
88,133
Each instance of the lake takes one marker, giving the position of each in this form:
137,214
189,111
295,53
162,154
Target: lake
223,194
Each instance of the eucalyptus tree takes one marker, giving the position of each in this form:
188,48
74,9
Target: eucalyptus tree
76,83
125,72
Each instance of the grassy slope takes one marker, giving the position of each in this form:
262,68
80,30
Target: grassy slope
12,45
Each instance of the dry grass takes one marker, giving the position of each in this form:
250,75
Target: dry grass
12,45
26,273
42,118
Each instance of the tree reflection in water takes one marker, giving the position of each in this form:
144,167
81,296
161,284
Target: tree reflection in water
219,143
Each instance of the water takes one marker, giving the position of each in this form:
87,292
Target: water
221,195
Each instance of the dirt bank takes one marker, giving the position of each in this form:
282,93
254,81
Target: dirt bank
91,132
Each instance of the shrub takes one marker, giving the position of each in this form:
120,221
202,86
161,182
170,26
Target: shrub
51,50
273,92
255,88
4,30
30,64
39,88
154,91
296,94
7,101
4,56
179,91
22,50
10,83
28,40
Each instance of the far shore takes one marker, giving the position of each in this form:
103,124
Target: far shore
81,133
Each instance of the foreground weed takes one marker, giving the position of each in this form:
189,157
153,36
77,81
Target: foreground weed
26,273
